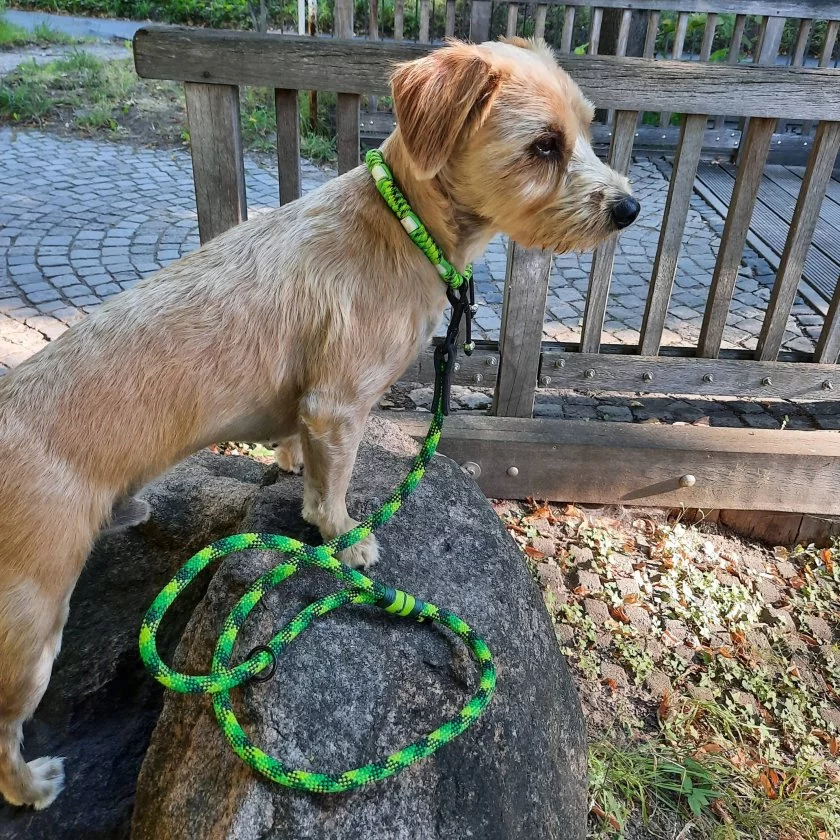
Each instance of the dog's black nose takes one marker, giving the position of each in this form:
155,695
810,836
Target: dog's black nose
624,212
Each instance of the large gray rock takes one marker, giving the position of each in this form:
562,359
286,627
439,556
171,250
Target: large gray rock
101,706
359,684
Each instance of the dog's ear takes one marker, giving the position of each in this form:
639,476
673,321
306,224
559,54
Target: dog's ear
439,99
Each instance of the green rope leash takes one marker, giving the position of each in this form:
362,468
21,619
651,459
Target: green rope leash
360,590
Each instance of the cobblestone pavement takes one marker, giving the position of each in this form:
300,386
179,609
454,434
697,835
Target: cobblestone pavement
81,220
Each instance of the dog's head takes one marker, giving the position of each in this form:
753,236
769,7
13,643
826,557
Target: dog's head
507,133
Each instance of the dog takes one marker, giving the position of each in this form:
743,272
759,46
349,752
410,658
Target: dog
287,327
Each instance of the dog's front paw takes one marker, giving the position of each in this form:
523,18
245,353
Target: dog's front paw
363,555
47,781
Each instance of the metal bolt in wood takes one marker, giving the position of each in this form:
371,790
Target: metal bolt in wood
708,378
560,363
766,381
513,471
647,376
471,468
589,373
687,480
545,380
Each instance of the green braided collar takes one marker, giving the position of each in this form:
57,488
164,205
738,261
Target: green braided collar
388,189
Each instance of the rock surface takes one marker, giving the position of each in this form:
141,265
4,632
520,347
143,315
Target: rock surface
359,684
100,708
353,688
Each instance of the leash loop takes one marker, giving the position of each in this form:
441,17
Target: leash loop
360,589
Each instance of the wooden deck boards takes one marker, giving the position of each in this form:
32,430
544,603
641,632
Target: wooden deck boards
771,221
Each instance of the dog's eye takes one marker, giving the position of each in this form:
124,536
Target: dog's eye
546,147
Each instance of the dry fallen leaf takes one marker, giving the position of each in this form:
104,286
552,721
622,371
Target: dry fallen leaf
833,748
534,553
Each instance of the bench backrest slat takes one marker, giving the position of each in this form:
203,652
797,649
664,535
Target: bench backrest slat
811,195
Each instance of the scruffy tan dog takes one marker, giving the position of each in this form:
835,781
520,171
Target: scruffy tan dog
288,327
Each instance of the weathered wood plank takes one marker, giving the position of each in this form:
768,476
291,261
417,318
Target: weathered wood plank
480,12
288,144
680,190
828,10
595,30
676,55
803,34
513,13
828,347
539,20
734,54
778,200
627,463
817,175
343,23
650,33
767,237
756,144
250,58
373,20
523,312
218,163
830,41
621,48
399,20
621,149
424,35
449,26
568,30
479,370
347,129
611,373
708,36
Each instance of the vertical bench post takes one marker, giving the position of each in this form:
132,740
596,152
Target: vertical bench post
520,338
218,162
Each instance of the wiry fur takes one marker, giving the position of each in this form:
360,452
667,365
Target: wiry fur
285,328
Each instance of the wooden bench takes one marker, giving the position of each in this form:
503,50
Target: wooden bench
511,454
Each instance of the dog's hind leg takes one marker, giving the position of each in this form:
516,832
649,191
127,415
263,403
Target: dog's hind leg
331,432
30,638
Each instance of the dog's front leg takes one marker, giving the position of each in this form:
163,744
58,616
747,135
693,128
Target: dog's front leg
331,431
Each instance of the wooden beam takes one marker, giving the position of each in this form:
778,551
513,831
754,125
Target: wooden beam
614,373
539,20
250,58
480,13
399,20
218,162
756,144
424,34
820,9
287,109
347,130
595,30
523,313
676,55
680,190
636,464
449,27
828,347
651,34
568,30
513,12
480,370
792,263
708,36
621,149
